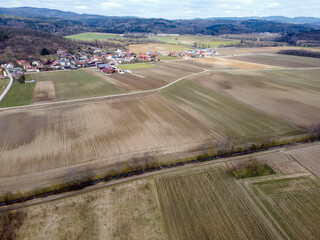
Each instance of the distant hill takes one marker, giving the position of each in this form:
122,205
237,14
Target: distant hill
45,12
280,19
66,23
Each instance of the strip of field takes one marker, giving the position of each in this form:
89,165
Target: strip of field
18,95
221,43
158,47
166,58
100,133
232,63
293,203
210,204
280,60
138,81
127,211
44,92
292,95
136,66
3,84
226,115
77,84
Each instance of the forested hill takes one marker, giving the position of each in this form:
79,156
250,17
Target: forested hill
65,23
19,43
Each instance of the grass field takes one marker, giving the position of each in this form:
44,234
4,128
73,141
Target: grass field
159,47
294,204
18,95
3,84
280,60
94,36
292,95
77,84
210,204
226,115
135,66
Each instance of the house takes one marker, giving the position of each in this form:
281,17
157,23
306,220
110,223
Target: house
55,65
9,65
26,66
109,70
30,69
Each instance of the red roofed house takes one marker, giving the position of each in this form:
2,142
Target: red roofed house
109,70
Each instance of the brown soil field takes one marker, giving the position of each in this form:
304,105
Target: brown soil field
231,63
280,60
92,135
240,51
292,95
44,92
308,158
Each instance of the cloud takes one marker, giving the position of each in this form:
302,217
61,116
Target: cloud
111,4
81,7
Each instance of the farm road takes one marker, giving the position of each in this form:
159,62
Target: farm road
108,96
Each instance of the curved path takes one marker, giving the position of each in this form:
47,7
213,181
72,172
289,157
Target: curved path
108,96
6,90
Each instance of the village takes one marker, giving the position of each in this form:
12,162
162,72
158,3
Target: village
102,59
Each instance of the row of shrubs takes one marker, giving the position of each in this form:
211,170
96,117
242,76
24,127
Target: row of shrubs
148,163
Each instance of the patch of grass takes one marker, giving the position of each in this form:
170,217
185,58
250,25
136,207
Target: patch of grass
254,169
94,36
163,57
77,84
3,83
18,95
136,66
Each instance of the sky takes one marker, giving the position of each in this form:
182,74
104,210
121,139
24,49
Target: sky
178,9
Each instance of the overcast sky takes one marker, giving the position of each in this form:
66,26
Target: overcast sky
176,9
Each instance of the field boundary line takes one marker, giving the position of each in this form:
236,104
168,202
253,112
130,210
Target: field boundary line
107,96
